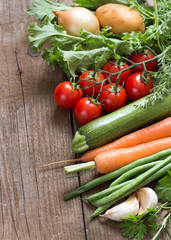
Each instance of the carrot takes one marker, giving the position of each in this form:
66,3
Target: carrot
155,131
109,161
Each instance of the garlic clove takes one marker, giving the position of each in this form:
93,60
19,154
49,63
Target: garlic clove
147,198
123,210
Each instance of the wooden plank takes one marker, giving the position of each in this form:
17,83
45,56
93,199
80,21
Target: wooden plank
33,131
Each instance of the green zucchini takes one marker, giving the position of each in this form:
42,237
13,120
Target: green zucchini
116,124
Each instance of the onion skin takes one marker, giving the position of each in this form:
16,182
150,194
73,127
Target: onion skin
121,18
77,18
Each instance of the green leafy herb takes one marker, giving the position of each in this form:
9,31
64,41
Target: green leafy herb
163,189
94,4
75,53
73,61
136,226
43,8
141,225
40,34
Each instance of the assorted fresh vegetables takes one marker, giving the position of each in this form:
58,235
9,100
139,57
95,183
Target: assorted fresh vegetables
139,181
119,123
111,96
111,160
117,54
155,131
115,174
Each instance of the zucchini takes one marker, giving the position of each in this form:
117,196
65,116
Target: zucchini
116,124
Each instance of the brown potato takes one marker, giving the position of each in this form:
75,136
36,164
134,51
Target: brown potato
121,18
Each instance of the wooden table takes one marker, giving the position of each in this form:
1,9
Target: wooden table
34,131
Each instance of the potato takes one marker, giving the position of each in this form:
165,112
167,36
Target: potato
121,18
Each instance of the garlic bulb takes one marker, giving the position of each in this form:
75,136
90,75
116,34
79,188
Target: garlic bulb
123,210
77,18
147,198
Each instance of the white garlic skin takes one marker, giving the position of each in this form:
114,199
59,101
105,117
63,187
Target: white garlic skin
123,210
147,198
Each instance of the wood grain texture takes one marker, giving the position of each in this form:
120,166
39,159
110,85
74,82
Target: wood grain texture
34,131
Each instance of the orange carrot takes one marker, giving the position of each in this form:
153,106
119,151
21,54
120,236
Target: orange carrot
155,131
109,161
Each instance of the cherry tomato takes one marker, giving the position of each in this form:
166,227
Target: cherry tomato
137,57
112,99
65,97
111,67
85,110
91,91
136,88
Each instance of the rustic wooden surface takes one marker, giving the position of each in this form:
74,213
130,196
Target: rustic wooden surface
34,131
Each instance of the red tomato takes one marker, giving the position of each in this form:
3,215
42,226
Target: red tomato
85,110
112,100
113,68
137,57
86,83
65,97
136,88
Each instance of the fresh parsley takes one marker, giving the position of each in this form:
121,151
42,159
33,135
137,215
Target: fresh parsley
163,189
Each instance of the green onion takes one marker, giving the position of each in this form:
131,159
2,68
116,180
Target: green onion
121,181
155,175
137,181
115,174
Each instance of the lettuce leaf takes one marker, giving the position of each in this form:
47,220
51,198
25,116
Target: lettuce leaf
74,53
43,8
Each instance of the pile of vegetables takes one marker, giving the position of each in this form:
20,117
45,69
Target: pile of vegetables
137,159
105,91
92,47
128,180
117,56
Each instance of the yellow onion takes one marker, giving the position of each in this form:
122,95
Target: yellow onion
77,18
120,18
